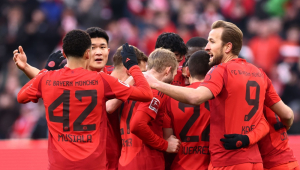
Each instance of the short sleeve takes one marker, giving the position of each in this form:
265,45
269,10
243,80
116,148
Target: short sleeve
271,96
214,79
115,88
152,107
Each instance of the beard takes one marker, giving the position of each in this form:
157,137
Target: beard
168,80
216,60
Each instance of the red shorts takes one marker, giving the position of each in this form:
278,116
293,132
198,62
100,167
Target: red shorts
244,166
288,166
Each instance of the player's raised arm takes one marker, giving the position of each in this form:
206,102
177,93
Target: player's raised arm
30,92
20,60
142,90
55,61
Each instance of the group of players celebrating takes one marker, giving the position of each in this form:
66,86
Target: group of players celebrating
115,117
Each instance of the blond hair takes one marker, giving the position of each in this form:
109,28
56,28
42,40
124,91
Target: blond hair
161,58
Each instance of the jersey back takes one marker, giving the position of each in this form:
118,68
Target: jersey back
191,125
135,154
274,147
74,102
239,90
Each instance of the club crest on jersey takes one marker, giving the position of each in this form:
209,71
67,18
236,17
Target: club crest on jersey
127,85
154,105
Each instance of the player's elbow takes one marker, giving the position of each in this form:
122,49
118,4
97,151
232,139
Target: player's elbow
194,99
21,99
135,127
289,115
148,95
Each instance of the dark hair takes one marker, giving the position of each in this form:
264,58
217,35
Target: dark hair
96,32
76,42
197,42
117,57
171,41
231,33
198,64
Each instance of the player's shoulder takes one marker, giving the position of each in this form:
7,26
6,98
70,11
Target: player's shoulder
159,95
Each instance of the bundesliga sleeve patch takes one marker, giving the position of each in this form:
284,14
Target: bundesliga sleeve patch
127,85
154,105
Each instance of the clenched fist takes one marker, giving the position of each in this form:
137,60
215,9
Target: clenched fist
173,144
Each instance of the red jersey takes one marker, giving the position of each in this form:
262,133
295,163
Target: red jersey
239,90
191,125
74,101
178,79
274,147
113,141
135,154
108,69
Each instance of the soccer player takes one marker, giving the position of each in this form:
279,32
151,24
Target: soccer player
274,147
141,122
175,43
191,123
238,91
195,44
100,52
114,142
73,97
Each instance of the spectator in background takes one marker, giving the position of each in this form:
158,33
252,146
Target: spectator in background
265,47
9,107
290,48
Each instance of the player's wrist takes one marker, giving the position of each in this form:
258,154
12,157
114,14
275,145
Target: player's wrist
134,68
25,68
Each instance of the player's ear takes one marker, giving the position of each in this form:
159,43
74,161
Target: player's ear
228,47
87,54
64,54
128,73
188,74
167,71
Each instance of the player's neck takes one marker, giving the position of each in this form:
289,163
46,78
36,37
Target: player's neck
120,74
74,63
228,57
195,80
155,74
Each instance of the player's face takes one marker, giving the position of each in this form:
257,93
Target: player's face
192,50
170,77
142,66
179,57
99,54
184,74
215,46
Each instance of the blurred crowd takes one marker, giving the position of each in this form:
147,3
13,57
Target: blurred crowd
270,27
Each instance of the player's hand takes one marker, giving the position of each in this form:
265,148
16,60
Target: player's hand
173,144
128,56
152,81
235,141
55,61
20,58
